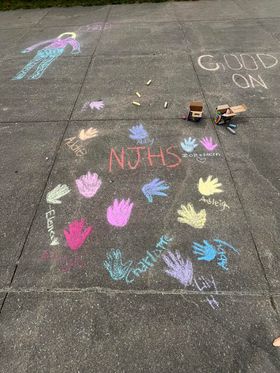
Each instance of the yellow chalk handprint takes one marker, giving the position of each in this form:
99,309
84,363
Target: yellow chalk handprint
192,218
88,134
210,186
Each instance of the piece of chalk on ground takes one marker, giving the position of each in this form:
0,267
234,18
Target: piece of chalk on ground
136,103
231,130
231,125
165,104
149,82
138,94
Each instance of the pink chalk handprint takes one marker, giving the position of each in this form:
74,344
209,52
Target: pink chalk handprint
119,213
208,143
76,234
88,184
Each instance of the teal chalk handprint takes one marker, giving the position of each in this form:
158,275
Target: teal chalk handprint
115,266
188,145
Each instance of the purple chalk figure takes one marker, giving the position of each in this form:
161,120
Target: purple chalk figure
44,57
119,213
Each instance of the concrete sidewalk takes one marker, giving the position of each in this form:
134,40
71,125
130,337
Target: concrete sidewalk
100,300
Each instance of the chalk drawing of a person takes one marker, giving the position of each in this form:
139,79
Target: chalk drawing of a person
44,57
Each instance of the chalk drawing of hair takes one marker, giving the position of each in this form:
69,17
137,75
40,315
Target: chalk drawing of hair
73,35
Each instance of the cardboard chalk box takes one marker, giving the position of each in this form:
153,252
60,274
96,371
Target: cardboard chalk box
233,110
196,108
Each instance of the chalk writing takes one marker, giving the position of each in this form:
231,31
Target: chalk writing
88,134
54,196
76,234
238,62
149,260
139,134
200,155
155,188
65,263
187,215
50,215
119,213
115,266
76,147
179,268
46,56
97,26
211,201
88,184
208,252
209,186
203,283
126,158
119,271
208,143
188,145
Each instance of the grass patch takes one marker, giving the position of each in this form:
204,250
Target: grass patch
21,4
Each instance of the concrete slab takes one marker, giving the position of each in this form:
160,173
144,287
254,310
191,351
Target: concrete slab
272,26
232,36
248,78
256,8
112,332
153,12
149,221
9,39
24,171
207,10
34,100
75,16
115,81
254,167
142,39
21,17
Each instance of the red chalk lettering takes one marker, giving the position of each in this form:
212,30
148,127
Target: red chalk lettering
137,149
120,161
151,156
179,159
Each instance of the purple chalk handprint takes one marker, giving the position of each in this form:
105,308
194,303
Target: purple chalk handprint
88,184
138,133
98,105
179,268
208,143
119,213
76,234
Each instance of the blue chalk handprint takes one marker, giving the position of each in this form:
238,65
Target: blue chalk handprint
154,188
205,252
188,145
114,265
138,133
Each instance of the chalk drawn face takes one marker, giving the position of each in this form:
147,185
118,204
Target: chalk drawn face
114,265
179,268
154,188
54,196
187,215
209,186
76,234
119,213
188,145
88,184
88,134
208,143
138,132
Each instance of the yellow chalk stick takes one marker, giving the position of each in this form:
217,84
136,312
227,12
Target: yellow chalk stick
138,94
136,103
149,82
